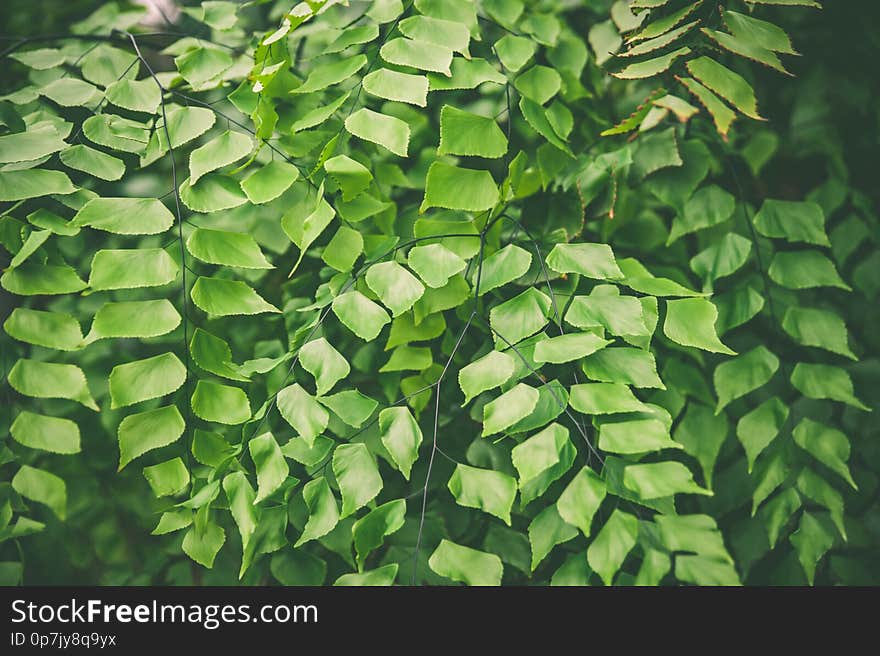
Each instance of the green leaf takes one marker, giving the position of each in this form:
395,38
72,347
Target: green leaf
758,428
233,249
828,445
466,565
812,540
604,398
34,242
465,133
435,264
141,319
661,479
594,261
539,453
821,381
351,176
651,67
304,227
220,403
723,258
612,544
240,496
701,570
308,455
709,206
299,409
91,161
131,268
202,66
27,146
48,380
40,59
721,114
623,365
492,370
327,74
173,520
145,379
448,33
727,84
43,487
691,322
381,576
401,87
354,36
33,183
167,478
484,489
323,511
565,348
212,449
620,315
817,489
745,49
457,188
509,408
418,54
514,51
360,315
401,436
503,266
369,532
53,330
213,193
520,317
547,530
658,42
117,133
580,500
202,545
343,249
804,270
145,431
819,328
702,433
350,406
408,358
697,534
184,125
466,74
759,32
357,475
325,363
138,96
51,434
269,181
637,436
743,374
538,119
637,277
125,216
387,131
271,466
396,287
793,221
538,84
222,298
221,151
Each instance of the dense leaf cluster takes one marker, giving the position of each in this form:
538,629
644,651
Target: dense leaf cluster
431,291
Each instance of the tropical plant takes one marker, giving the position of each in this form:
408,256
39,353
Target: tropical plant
434,291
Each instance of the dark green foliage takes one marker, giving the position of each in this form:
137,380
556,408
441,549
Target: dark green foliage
439,291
